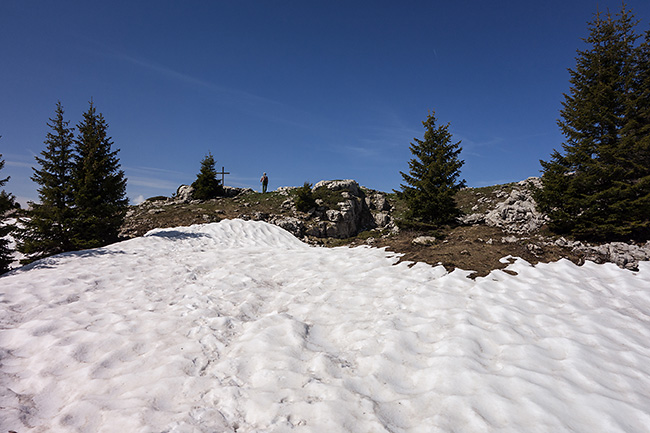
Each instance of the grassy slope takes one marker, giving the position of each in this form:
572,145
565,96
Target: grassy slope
478,247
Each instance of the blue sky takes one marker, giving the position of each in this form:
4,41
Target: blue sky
302,90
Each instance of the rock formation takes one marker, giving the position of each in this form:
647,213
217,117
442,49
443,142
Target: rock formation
516,213
354,209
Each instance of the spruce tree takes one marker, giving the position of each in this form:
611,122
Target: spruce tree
207,186
636,142
49,229
99,186
590,189
432,181
6,204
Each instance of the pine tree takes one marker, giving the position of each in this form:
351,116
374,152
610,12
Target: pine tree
48,230
432,182
589,190
207,186
6,203
99,186
636,142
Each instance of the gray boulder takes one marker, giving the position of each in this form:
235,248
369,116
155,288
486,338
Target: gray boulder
231,191
515,212
184,193
424,240
518,212
294,226
348,185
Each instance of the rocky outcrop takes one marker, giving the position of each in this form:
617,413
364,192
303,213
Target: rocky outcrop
343,210
622,254
516,212
380,209
183,194
231,191
356,210
347,185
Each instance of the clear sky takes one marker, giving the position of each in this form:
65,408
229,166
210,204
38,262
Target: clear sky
302,90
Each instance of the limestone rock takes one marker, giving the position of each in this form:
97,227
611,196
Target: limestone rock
424,240
339,185
294,226
231,191
624,255
377,201
382,219
184,193
515,212
472,219
285,190
334,215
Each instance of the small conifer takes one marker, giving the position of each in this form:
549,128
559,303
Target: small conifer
304,198
6,203
207,186
432,182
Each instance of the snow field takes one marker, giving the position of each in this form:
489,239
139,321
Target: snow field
238,326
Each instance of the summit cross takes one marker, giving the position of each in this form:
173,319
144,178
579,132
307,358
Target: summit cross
222,173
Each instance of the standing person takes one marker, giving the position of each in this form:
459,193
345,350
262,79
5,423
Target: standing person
265,182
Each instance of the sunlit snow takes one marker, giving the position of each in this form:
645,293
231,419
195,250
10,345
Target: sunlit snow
240,327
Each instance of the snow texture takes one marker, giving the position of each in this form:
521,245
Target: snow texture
239,327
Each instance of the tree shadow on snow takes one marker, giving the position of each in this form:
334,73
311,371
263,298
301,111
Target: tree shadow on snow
52,261
176,235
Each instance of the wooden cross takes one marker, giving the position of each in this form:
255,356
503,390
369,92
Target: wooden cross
222,173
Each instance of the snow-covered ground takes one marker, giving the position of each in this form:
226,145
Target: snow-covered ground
239,327
17,257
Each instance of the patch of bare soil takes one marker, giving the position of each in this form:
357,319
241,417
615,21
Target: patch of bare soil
478,248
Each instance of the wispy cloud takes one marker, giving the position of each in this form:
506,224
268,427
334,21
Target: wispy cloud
153,183
189,79
155,178
360,152
379,141
20,164
245,101
154,170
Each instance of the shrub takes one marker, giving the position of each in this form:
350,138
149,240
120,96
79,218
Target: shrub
304,198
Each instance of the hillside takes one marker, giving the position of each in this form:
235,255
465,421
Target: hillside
499,221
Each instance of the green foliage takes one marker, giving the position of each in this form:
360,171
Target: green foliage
304,198
99,185
6,204
328,198
432,182
207,186
599,187
82,190
49,229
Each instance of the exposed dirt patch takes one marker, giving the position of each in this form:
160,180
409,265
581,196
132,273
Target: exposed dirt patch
478,248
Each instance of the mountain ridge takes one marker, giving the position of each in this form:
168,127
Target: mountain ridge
498,221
